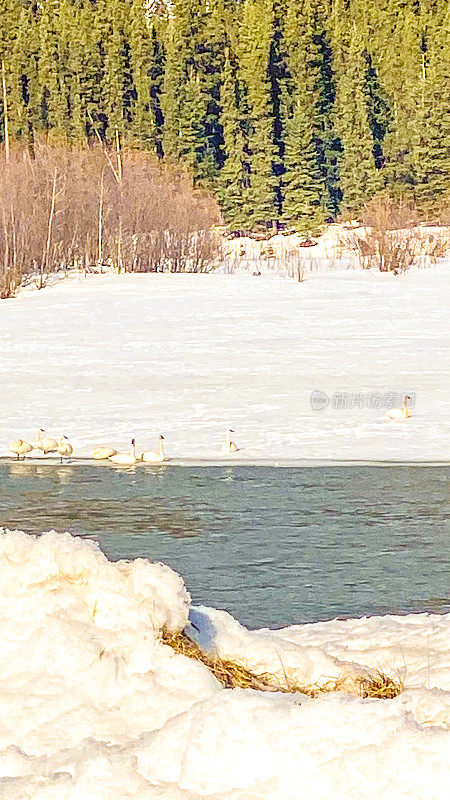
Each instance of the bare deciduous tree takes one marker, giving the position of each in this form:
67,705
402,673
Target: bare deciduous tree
72,207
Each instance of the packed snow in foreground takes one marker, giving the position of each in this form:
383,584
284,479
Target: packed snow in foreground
110,357
93,705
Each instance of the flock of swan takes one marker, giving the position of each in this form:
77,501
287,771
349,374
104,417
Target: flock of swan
62,446
45,444
130,457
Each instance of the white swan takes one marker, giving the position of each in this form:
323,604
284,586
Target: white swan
153,457
399,414
100,453
125,459
45,443
20,448
64,448
227,447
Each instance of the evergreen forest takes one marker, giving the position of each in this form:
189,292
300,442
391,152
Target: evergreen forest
290,111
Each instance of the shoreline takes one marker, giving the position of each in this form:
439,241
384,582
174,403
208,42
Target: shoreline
287,463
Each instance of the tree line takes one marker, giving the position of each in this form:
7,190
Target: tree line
290,111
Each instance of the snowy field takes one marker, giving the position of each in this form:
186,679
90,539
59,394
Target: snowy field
109,357
94,706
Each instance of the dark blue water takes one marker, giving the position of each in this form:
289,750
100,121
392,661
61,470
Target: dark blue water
272,546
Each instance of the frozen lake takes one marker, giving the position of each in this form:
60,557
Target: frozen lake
110,357
272,546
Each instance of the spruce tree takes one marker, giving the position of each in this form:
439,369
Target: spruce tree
174,77
278,74
233,185
303,181
53,102
254,47
117,85
359,178
195,44
143,120
75,48
13,64
401,72
310,83
181,98
339,27
378,110
215,40
432,152
156,75
14,53
191,124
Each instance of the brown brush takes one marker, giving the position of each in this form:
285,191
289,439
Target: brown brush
232,675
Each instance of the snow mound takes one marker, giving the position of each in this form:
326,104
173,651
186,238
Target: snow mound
80,652
247,744
138,592
93,705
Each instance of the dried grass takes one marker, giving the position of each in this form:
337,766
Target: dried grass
377,685
232,675
228,673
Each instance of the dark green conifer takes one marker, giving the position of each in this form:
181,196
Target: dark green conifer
401,73
53,100
359,178
310,83
432,152
234,174
191,123
303,181
253,54
142,114
117,86
156,74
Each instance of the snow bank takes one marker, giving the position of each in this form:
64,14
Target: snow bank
413,649
329,251
93,705
80,650
245,745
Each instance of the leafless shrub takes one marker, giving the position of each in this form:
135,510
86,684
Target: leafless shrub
443,213
290,264
386,238
435,246
84,207
383,213
439,213
296,266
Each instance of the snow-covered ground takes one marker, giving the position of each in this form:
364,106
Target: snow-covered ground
109,357
93,705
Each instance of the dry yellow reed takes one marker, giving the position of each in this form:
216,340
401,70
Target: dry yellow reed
232,675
